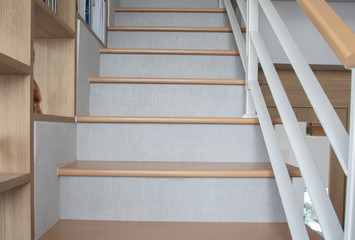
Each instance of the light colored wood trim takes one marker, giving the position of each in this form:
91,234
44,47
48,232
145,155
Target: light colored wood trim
167,80
52,118
48,24
12,180
179,10
334,30
8,66
109,230
171,29
90,30
173,120
168,51
172,169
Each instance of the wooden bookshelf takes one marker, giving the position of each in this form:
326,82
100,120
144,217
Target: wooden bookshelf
16,127
24,27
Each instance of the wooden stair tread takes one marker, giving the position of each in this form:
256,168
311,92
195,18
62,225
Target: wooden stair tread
112,230
167,80
174,120
171,29
167,51
180,10
12,180
172,169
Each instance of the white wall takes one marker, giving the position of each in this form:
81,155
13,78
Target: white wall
310,41
88,65
54,145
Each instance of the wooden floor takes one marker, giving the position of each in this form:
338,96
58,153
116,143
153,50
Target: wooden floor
113,230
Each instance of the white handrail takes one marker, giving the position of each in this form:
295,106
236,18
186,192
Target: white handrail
350,196
324,208
334,129
237,32
283,181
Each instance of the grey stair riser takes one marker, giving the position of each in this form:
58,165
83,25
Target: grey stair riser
167,100
171,19
170,199
171,66
169,3
171,40
171,142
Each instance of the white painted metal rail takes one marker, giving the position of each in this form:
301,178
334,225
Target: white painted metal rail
337,135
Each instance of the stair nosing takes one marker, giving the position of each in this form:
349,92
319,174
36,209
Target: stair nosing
168,51
171,29
202,81
177,10
170,120
155,169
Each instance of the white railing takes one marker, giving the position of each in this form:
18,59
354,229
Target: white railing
337,135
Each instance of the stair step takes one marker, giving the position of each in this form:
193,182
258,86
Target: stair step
109,230
168,51
172,169
186,10
173,120
171,40
171,29
171,65
167,80
169,4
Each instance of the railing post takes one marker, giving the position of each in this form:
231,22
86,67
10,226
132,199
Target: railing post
252,58
349,232
221,4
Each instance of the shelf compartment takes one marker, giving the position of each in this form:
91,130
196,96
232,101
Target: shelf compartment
15,29
11,180
48,24
10,66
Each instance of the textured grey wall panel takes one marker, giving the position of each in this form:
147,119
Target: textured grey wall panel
55,145
87,66
171,142
167,100
172,40
170,66
171,199
170,3
172,19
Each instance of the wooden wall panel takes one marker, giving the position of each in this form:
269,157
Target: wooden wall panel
15,29
15,110
336,85
54,71
15,214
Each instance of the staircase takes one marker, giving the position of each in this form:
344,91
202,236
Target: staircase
165,152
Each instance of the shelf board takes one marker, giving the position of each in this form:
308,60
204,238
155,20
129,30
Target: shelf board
48,24
11,180
172,169
52,118
90,30
10,66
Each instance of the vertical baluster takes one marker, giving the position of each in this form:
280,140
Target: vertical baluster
350,196
252,59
